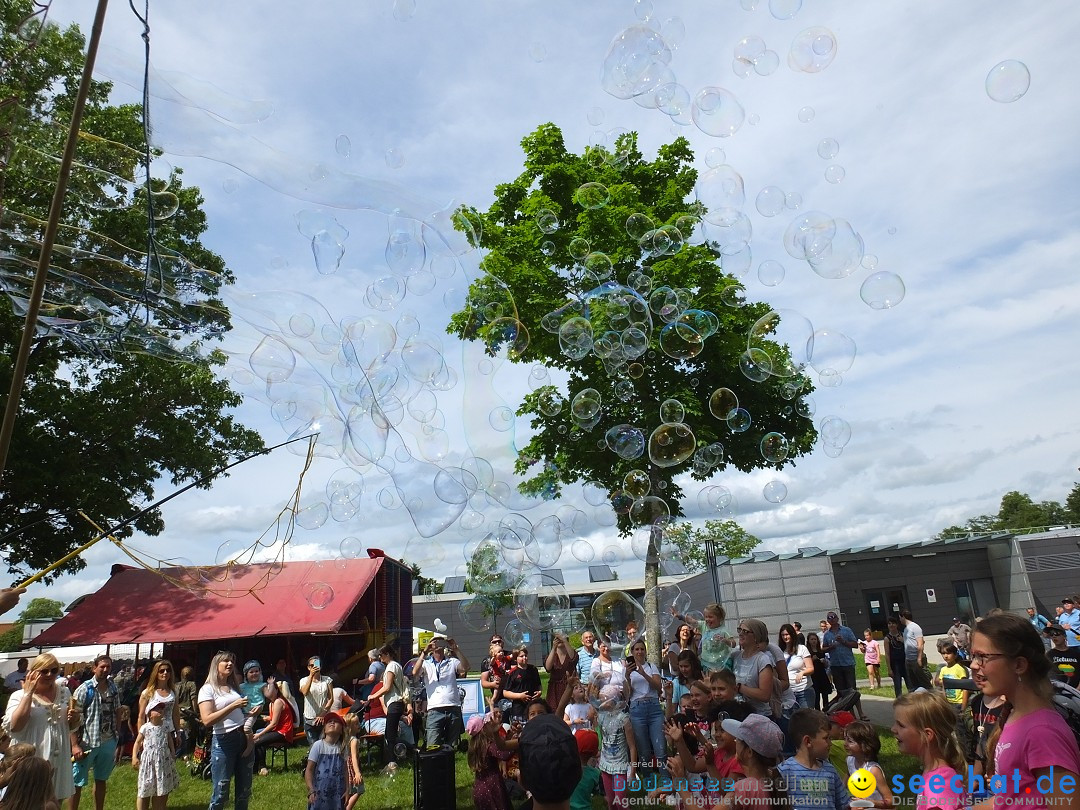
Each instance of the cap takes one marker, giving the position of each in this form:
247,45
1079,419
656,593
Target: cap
156,701
1068,600
758,732
956,618
832,617
475,724
332,717
252,665
588,742
548,758
1054,629
842,719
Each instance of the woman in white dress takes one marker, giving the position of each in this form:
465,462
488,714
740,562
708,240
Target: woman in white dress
41,713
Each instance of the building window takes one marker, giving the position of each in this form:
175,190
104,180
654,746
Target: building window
974,597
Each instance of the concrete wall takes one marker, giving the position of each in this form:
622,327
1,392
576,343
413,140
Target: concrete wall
881,570
1052,564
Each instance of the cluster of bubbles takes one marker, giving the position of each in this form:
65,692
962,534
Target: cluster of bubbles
374,386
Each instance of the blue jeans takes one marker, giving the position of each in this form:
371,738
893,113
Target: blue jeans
444,726
647,718
227,762
807,698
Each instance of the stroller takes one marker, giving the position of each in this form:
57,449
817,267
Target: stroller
199,764
844,702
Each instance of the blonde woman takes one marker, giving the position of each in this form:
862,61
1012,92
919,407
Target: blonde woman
42,714
221,706
162,685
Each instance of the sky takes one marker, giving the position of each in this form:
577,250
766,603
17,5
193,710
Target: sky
372,118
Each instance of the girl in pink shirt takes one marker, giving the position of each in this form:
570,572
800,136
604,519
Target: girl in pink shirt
924,727
1035,750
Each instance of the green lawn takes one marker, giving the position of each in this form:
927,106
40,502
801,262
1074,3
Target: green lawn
287,790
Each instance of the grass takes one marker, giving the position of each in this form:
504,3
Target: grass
286,789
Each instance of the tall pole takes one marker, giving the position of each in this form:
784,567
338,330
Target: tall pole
37,292
710,561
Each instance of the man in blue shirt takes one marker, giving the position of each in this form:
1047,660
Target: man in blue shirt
840,642
585,655
1070,620
1039,622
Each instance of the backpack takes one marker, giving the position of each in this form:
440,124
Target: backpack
1066,701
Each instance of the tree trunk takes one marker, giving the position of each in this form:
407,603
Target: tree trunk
653,641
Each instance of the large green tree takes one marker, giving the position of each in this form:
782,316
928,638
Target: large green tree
596,265
121,390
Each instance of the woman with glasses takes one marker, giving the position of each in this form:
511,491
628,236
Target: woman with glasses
755,674
1034,747
222,706
162,685
42,714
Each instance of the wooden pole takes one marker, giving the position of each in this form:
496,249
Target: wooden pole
37,292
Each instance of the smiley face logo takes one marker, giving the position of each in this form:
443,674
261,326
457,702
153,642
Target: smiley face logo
861,783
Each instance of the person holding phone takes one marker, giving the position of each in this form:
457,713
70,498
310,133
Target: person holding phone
646,713
318,692
439,667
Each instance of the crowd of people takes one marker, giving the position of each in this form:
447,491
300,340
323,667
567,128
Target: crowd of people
729,716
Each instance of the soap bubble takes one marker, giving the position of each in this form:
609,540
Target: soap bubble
583,551
318,595
1008,81
476,615
773,447
775,491
833,351
612,611
636,63
722,402
351,548
715,157
784,9
770,273
670,445
671,411
828,148
650,511
835,174
806,114
343,146
585,404
592,195
626,441
812,50
716,111
882,290
738,421
637,483
770,201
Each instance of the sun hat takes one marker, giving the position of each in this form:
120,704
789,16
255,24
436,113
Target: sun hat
588,742
842,719
475,725
758,732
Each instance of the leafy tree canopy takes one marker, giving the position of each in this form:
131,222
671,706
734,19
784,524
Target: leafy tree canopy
600,265
728,538
40,608
1018,512
121,389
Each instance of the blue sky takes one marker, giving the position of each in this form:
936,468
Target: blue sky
964,391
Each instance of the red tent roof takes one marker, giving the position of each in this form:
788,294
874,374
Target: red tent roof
137,605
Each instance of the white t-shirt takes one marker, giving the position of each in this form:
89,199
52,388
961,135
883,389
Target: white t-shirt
795,663
315,699
614,672
222,697
787,697
440,681
639,685
912,634
397,684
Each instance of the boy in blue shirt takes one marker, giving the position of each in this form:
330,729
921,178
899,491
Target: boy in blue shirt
812,781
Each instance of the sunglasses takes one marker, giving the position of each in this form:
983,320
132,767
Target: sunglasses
52,671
